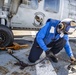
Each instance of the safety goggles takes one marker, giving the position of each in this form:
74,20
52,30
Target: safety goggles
67,27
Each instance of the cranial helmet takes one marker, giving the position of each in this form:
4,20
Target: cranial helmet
66,24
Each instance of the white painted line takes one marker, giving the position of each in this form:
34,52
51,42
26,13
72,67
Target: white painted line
72,74
33,33
45,69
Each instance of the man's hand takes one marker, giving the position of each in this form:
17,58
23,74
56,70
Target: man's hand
49,53
73,60
51,56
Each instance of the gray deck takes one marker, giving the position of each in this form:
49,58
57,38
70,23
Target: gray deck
45,67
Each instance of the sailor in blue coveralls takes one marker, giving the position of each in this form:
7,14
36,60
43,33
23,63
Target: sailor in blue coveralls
52,38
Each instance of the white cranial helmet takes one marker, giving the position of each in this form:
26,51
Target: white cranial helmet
67,20
70,24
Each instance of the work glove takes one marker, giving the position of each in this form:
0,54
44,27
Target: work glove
73,60
51,56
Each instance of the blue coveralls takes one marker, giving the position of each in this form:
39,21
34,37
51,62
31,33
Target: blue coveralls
46,36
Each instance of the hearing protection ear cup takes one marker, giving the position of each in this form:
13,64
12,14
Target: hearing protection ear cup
61,26
66,28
